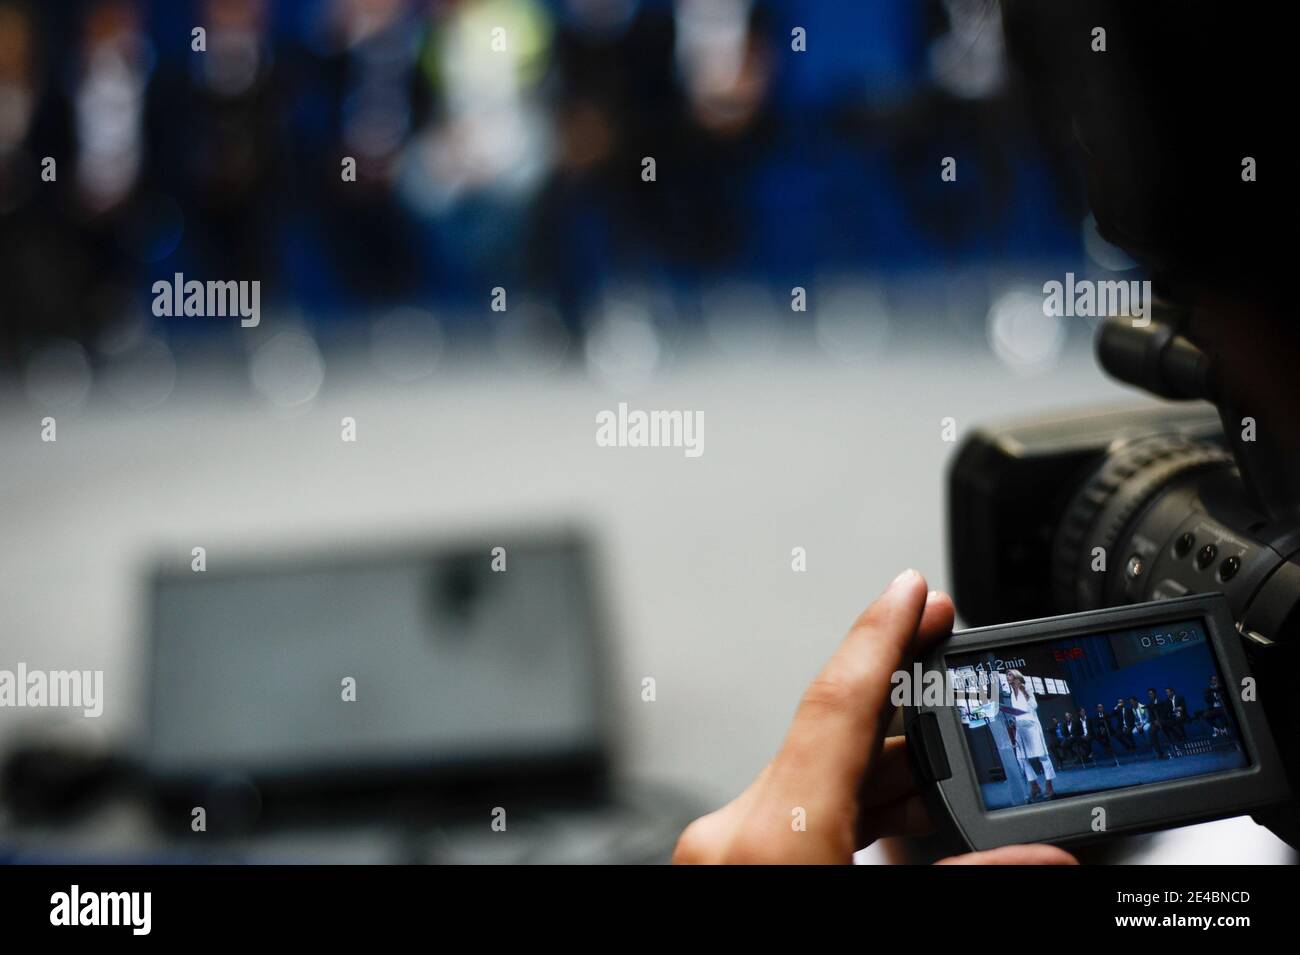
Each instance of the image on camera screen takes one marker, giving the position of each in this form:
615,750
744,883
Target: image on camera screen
1094,712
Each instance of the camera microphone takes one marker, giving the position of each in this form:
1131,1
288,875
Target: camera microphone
1155,356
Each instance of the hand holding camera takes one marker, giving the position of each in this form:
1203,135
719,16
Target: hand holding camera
838,783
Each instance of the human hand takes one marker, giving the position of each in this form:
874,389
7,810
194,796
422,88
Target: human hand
836,770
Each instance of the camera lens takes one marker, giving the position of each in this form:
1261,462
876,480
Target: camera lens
1205,556
1105,509
1183,546
1228,569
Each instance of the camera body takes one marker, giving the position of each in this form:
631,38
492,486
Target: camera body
1058,515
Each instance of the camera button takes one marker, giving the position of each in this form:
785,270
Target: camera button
1205,556
1183,546
1228,569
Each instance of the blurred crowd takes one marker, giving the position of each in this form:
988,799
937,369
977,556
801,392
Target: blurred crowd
499,143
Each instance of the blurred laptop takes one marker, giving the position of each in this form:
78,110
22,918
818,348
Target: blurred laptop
453,694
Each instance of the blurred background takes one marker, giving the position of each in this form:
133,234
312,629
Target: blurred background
797,271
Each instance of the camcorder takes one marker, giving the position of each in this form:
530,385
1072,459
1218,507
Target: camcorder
1152,556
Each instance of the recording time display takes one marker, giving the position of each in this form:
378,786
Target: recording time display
1167,639
1132,646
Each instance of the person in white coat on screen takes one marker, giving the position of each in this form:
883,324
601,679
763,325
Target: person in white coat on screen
1020,707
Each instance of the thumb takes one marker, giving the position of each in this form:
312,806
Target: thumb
1014,855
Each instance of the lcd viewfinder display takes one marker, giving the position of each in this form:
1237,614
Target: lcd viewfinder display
1095,712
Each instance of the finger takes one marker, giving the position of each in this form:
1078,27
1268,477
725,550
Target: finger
836,729
936,621
884,634
891,776
1014,855
903,817
889,635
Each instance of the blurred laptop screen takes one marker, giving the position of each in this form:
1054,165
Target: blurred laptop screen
452,661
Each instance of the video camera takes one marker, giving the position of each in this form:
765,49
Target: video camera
1076,513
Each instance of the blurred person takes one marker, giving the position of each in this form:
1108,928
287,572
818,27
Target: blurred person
17,100
116,61
612,100
687,85
475,168
836,763
363,97
724,58
72,162
234,144
19,171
